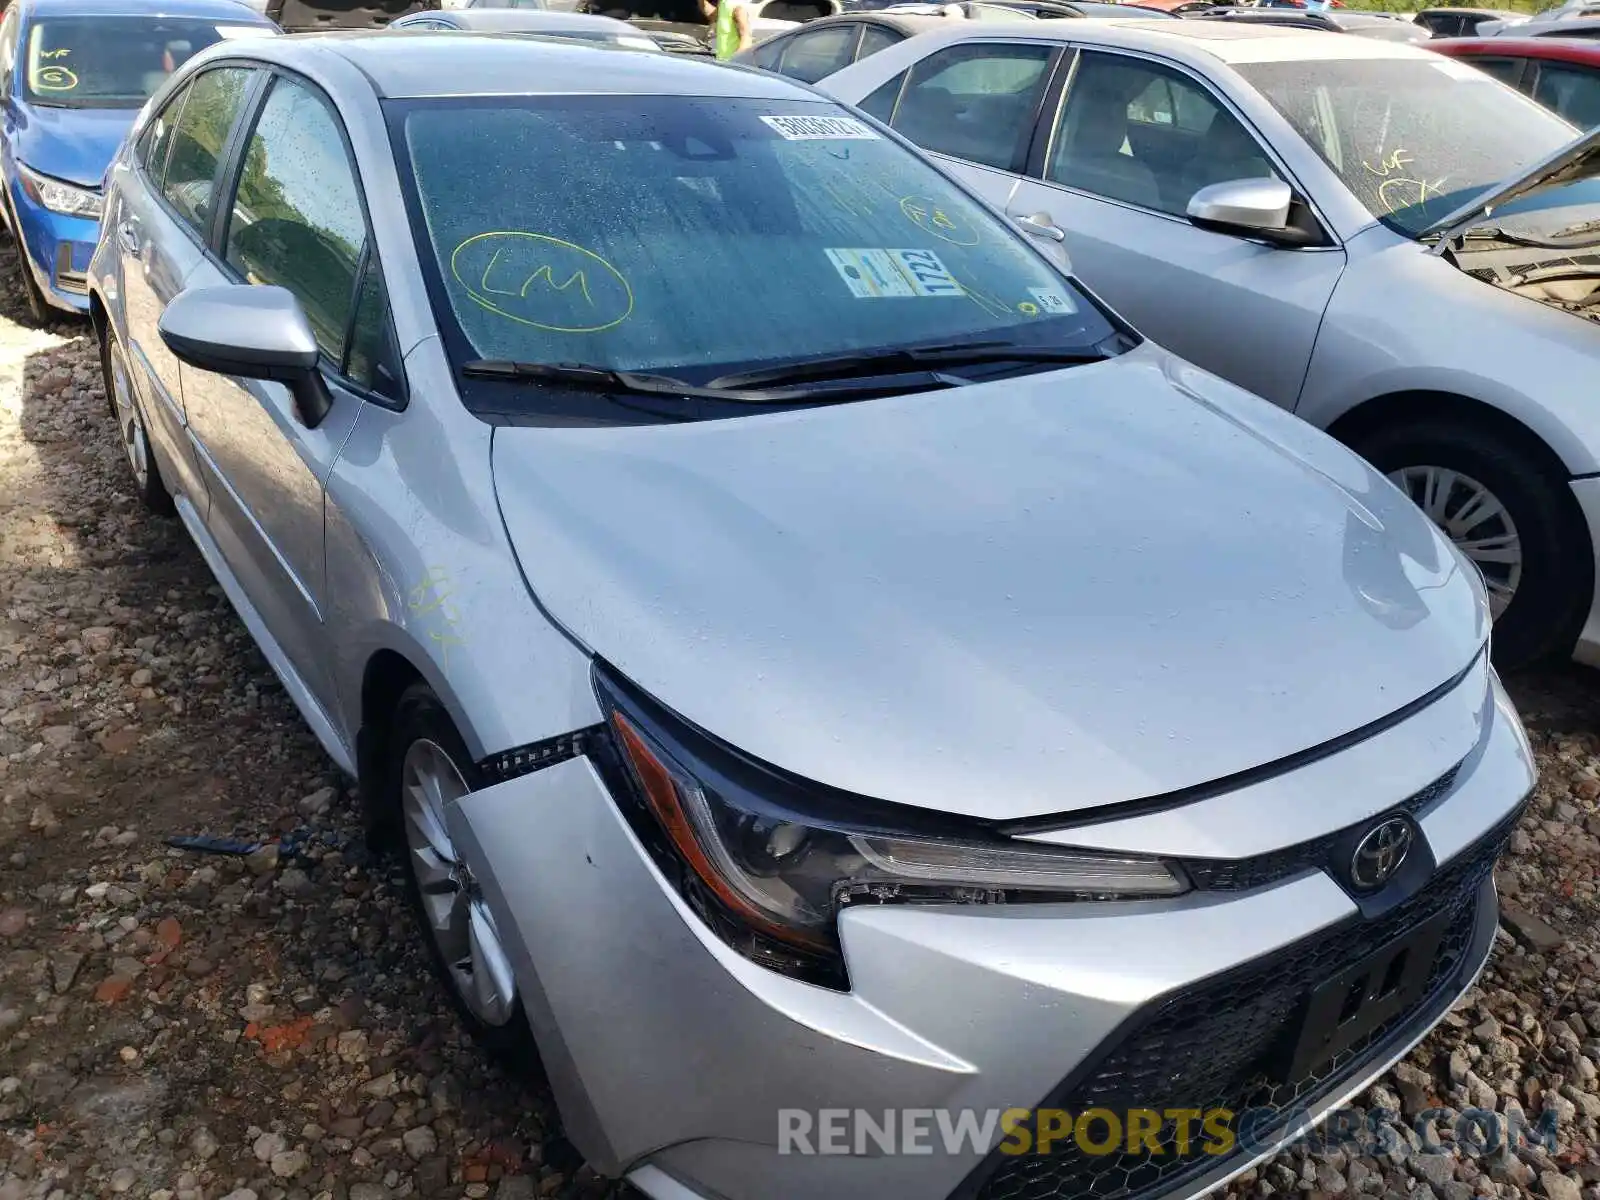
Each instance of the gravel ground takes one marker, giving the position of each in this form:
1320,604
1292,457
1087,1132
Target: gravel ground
177,1025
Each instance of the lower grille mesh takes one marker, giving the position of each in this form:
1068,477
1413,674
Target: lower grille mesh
1222,1045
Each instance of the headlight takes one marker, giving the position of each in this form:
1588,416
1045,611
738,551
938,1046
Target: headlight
65,198
769,860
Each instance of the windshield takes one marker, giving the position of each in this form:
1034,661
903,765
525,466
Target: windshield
696,237
116,62
1413,138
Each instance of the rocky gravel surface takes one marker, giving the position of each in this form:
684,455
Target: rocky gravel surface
178,1025
187,1026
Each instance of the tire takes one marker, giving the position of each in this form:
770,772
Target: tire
132,432
1546,595
38,308
423,741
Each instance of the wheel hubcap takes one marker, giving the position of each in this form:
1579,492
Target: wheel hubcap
129,423
1474,519
458,919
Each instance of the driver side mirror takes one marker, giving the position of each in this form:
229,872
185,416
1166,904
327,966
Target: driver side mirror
1257,208
252,331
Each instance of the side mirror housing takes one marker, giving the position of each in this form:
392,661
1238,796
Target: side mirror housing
253,332
1256,208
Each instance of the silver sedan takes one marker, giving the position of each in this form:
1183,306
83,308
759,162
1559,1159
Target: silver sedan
817,664
1307,216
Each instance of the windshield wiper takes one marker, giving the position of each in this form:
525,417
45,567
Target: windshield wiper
939,354
605,379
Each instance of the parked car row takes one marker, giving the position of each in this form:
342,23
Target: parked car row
781,617
1230,186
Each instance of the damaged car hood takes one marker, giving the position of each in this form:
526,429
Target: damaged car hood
1023,597
1572,163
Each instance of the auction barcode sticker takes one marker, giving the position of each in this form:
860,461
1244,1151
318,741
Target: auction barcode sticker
820,129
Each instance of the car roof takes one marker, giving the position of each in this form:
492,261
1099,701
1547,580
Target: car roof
1195,41
235,12
403,64
1553,28
531,19
1573,50
909,24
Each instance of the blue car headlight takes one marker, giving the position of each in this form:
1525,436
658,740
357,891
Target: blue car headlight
64,198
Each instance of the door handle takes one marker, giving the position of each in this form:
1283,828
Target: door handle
128,237
1041,226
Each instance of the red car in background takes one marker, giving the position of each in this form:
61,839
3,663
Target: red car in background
1561,73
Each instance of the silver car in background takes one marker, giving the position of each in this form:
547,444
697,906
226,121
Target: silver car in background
809,652
1306,216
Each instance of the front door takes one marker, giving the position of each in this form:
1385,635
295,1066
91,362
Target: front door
1134,141
295,220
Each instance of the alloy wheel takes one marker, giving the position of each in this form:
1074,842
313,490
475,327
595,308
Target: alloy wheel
1474,519
458,920
130,425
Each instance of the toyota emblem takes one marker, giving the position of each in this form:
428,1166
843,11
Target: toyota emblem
1379,854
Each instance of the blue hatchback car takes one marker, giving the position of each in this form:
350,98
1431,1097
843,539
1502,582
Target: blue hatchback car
75,74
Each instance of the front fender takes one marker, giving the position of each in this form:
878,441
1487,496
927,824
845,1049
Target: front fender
1403,320
419,566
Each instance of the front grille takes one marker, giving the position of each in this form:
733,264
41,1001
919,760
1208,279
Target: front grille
1224,1044
1242,874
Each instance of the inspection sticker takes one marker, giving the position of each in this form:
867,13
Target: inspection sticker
820,129
1052,301
874,274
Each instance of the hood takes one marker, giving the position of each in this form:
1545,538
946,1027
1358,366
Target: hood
71,144
1567,165
1023,597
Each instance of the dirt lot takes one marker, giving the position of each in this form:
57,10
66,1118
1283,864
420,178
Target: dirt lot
182,1025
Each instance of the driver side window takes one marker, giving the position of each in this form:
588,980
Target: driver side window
1141,133
297,222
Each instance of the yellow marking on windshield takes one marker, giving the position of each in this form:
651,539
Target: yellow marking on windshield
1398,191
55,79
1028,309
990,304
926,215
1389,163
537,280
54,53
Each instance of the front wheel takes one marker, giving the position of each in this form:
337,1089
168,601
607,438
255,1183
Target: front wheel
1511,514
428,770
38,308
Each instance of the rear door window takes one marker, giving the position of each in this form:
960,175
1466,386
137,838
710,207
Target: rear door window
156,138
976,101
1506,70
198,138
816,55
875,38
1572,91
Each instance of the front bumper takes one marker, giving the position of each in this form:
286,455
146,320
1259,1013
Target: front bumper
672,1056
58,252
